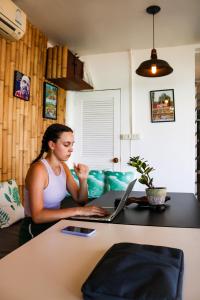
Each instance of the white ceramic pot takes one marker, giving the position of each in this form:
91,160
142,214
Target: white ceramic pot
156,196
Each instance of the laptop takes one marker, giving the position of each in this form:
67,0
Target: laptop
114,212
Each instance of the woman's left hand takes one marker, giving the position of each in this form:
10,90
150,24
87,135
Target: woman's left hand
81,171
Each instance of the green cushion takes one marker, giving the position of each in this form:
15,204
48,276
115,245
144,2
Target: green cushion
95,182
11,209
117,181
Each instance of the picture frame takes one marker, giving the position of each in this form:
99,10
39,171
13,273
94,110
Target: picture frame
162,106
21,87
50,100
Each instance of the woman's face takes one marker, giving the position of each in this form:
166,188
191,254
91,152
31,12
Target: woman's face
25,85
63,146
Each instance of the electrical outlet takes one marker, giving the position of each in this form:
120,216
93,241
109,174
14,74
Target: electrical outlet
135,136
125,136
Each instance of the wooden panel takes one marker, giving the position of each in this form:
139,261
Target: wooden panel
64,61
65,69
59,62
21,122
78,68
54,65
49,62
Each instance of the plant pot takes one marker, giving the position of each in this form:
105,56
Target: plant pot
156,196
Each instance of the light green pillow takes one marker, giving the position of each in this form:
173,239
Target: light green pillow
95,182
117,181
11,209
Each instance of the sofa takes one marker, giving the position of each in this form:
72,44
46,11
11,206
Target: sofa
12,211
11,214
102,181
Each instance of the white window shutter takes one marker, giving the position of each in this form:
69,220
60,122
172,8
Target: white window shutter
97,127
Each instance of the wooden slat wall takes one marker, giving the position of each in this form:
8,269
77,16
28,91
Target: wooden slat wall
57,62
21,122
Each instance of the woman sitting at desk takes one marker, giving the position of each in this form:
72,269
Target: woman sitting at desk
48,182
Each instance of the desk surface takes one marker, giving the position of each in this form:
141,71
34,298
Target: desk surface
183,210
54,265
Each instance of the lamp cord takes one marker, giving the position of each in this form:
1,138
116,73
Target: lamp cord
153,31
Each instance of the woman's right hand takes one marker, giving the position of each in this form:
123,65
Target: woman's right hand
93,211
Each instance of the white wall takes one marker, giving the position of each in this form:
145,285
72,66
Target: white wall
168,146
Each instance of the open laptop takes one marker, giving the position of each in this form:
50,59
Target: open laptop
114,212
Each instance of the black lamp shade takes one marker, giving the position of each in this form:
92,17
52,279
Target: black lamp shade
163,68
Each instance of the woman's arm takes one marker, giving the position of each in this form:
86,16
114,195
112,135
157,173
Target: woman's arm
79,194
82,172
36,181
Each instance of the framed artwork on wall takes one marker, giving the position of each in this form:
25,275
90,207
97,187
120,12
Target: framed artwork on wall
50,101
21,86
162,106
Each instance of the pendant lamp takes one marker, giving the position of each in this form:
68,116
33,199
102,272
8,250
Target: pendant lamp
154,67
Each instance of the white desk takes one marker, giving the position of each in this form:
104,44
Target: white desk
53,266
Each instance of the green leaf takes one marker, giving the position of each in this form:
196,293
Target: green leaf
148,170
12,207
143,181
143,165
15,195
134,164
139,170
9,189
151,182
143,168
7,197
144,176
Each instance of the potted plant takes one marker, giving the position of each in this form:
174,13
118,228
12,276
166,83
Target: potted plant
155,195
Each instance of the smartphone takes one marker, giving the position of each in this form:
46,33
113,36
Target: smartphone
81,231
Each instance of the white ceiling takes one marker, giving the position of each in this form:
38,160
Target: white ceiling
98,26
101,26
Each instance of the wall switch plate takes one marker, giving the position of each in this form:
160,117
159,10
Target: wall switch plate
135,136
125,136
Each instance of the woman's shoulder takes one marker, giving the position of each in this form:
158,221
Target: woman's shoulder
38,165
37,169
36,175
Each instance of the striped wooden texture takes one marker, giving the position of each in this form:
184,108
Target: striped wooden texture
57,62
21,122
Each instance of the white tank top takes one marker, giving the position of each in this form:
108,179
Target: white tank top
54,193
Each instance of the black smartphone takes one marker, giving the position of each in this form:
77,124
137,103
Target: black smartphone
81,231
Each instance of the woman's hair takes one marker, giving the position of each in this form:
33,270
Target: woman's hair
52,133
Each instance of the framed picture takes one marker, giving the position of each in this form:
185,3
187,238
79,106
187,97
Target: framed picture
162,106
21,86
50,101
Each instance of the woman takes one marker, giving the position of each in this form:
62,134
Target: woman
48,182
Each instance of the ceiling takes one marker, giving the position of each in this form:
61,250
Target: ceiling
99,26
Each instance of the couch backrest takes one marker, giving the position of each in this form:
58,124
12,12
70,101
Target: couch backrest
100,181
11,209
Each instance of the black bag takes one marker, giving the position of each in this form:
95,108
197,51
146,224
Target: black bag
130,271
